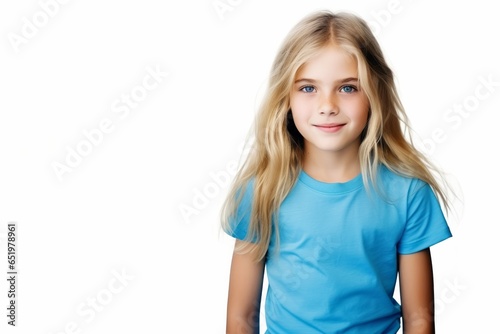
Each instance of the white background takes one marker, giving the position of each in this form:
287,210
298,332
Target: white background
119,209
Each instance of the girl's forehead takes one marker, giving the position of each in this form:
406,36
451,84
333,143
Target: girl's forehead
327,62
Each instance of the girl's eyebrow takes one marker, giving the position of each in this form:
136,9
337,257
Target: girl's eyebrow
316,81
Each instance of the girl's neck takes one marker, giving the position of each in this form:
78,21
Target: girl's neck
331,168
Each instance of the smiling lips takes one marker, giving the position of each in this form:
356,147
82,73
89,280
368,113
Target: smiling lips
330,127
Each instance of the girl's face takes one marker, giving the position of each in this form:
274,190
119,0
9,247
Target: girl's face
328,107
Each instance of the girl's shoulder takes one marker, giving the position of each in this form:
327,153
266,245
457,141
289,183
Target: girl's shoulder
393,182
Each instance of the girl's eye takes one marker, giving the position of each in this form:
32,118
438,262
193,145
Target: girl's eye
348,89
307,89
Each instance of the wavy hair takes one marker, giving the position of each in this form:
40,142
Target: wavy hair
275,160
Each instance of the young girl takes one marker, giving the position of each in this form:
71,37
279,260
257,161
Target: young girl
333,200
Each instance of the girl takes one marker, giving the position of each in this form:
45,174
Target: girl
333,200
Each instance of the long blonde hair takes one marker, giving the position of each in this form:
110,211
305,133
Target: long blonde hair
275,159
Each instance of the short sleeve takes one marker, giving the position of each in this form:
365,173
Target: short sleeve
425,224
240,222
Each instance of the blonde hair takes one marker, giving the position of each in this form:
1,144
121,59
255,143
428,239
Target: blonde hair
275,160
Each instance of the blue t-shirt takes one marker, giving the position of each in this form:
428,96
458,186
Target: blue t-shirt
336,267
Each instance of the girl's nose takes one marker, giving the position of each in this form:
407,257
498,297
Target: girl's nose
328,105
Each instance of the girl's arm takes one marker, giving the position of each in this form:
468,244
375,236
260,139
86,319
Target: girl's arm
245,289
417,292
